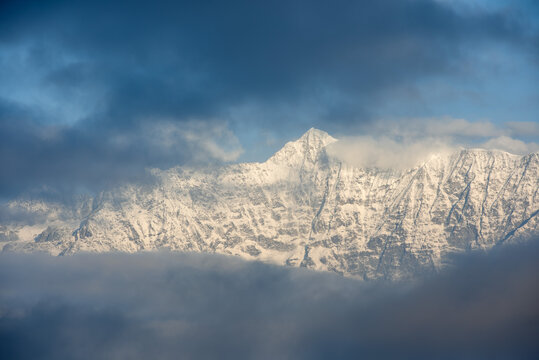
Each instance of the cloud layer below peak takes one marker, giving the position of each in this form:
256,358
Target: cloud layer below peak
204,306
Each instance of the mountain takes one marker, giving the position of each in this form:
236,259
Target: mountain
303,207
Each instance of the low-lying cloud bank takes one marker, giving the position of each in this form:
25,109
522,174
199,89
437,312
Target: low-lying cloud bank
171,306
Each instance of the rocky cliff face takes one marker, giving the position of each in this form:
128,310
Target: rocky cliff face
304,208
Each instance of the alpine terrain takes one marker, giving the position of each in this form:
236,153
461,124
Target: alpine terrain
303,207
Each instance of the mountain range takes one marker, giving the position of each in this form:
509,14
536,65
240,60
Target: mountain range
302,207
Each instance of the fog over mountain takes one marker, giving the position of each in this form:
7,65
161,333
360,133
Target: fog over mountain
306,206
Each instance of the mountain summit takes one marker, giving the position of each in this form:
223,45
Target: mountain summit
303,208
306,149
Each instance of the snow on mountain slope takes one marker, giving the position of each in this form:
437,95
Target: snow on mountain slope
304,208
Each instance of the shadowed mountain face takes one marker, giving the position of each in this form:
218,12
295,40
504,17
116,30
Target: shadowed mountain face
305,208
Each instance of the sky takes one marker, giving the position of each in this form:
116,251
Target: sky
94,92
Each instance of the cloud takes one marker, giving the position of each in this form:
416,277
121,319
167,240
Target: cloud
86,72
69,158
407,143
511,145
461,127
523,128
384,152
438,127
208,306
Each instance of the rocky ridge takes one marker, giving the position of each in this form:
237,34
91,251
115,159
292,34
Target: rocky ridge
303,207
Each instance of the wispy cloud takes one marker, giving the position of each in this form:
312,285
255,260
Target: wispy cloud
403,144
385,152
66,158
511,145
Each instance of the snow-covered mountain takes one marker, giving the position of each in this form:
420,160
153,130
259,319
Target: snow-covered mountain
303,207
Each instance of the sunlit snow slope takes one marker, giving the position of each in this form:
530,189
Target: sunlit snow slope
304,208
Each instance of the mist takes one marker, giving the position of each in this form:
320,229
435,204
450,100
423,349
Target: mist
193,306
400,145
385,152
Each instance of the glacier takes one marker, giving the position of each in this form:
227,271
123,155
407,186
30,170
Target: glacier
303,207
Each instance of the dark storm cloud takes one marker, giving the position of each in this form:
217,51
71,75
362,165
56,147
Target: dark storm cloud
193,306
128,64
50,159
179,58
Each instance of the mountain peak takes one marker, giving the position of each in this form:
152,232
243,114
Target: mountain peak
316,135
306,148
